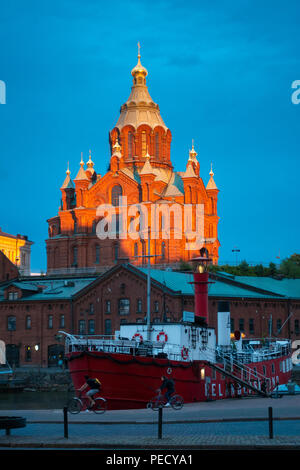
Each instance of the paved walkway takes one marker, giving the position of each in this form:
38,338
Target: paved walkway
140,442
245,409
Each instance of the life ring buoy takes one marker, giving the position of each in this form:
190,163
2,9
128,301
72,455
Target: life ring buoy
169,370
184,353
139,336
162,333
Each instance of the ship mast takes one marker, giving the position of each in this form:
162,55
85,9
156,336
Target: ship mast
148,256
148,290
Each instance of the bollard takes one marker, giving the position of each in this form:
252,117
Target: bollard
270,422
160,412
66,430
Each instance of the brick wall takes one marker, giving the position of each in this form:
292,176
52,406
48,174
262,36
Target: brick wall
7,269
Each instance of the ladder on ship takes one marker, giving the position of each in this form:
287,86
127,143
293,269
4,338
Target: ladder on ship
242,374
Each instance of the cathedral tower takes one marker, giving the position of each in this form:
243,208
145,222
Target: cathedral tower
140,168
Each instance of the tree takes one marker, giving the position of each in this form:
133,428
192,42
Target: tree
243,268
290,267
184,266
259,270
272,269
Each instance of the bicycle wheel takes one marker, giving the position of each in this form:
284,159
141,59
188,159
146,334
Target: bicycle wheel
74,406
177,402
100,405
156,403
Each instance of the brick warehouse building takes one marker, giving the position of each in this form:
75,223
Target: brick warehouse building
8,270
140,168
17,248
34,310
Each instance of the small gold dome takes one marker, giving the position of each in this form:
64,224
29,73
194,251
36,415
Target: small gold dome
139,68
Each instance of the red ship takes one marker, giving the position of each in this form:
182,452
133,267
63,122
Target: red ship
204,366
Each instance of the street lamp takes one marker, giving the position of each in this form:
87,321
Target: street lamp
236,250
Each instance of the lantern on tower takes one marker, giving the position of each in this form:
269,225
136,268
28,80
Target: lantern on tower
201,281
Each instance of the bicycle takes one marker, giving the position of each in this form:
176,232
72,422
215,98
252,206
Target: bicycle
159,401
77,404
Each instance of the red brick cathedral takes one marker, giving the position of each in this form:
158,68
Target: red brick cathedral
141,170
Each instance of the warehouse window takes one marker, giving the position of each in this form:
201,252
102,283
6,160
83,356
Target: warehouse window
50,321
107,327
124,306
28,322
11,323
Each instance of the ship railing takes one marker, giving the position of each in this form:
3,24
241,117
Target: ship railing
242,371
247,373
267,347
116,344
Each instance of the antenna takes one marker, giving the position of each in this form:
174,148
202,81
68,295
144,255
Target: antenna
148,256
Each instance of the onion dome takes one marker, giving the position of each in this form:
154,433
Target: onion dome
117,148
81,175
90,163
211,184
68,183
193,154
139,69
140,107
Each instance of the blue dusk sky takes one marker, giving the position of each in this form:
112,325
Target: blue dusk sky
221,72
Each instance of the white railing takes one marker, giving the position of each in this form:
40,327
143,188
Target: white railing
241,371
112,344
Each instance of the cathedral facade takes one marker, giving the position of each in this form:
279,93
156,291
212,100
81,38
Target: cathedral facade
145,197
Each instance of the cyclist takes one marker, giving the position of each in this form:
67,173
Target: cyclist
94,385
168,384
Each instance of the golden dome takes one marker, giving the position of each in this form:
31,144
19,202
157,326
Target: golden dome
140,107
193,154
139,68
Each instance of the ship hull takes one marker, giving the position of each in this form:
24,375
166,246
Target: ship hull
130,381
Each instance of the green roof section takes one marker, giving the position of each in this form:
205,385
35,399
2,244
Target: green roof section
287,287
230,286
221,285
49,288
179,282
28,286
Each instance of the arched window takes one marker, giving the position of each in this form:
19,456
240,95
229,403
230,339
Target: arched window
188,195
163,250
157,145
123,288
116,192
144,143
130,145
